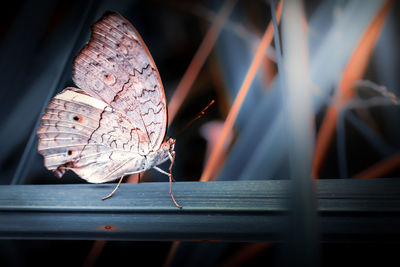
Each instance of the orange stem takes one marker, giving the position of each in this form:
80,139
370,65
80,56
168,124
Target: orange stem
381,168
95,252
198,60
246,254
211,165
171,253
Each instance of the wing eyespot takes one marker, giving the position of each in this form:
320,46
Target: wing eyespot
77,118
71,153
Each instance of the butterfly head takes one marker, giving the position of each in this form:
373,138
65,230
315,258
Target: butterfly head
169,144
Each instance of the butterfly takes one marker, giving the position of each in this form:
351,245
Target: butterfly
115,124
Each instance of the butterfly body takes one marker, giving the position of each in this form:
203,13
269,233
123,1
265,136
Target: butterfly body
115,122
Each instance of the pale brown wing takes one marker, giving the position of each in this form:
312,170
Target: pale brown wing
116,67
84,134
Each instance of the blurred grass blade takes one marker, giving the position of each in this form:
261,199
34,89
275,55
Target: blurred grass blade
211,168
377,142
354,71
259,152
298,115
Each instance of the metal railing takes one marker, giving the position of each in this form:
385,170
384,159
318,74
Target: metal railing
348,210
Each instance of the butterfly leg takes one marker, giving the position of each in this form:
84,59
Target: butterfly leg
170,185
172,159
171,178
115,189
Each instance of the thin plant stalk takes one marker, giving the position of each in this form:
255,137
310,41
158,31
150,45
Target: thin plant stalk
211,166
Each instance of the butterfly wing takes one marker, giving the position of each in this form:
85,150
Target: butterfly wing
84,134
116,67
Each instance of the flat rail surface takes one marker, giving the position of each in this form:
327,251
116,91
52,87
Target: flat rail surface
348,210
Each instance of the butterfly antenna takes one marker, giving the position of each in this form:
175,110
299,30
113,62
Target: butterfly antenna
198,116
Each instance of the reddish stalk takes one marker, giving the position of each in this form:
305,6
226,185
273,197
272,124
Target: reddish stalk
94,253
134,178
381,168
211,166
198,60
171,253
245,254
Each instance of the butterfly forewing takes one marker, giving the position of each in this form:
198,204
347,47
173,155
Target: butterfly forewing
116,67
